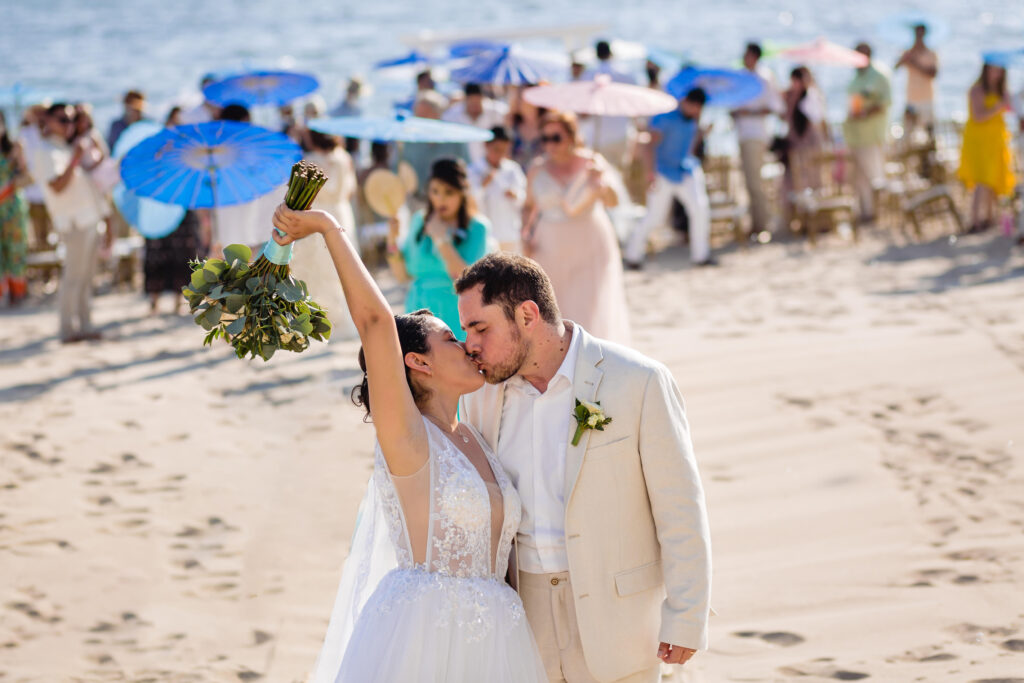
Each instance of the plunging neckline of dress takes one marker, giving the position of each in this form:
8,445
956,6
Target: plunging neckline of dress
487,485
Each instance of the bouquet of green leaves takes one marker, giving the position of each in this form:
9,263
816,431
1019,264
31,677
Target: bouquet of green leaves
259,308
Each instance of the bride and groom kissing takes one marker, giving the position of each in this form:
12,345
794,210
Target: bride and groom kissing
556,532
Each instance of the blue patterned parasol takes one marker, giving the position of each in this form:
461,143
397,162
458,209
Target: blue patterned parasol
260,88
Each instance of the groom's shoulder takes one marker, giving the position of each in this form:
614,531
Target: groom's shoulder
619,357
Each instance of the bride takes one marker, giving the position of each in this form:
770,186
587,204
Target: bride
422,595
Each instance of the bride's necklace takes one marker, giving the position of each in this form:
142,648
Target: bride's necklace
444,428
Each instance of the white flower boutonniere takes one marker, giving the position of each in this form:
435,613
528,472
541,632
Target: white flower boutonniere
588,416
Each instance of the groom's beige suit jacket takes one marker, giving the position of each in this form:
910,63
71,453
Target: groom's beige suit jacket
636,529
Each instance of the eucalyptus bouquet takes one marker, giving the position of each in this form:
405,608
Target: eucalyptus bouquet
259,308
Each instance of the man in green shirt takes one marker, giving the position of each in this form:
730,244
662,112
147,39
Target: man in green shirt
865,131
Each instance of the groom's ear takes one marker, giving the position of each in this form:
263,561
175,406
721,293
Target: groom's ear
528,314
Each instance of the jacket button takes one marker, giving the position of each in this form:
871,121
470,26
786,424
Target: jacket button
554,582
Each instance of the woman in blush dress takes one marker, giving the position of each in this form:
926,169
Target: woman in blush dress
569,233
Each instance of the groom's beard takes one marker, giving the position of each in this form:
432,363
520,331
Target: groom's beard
502,371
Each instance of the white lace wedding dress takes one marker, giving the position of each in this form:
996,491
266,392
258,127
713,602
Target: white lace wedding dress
423,595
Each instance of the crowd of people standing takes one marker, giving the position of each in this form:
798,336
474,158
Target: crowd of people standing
546,185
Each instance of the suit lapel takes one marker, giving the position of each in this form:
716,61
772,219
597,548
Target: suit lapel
587,379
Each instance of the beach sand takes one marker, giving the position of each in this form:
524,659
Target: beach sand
170,513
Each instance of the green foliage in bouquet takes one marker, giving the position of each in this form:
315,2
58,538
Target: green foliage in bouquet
259,308
256,314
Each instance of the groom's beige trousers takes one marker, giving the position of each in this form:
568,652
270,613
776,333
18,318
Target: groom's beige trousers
548,599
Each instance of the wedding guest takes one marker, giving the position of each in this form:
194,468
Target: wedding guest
674,172
31,137
751,123
350,105
13,218
865,131
204,111
425,83
422,155
525,119
311,261
611,136
76,214
477,111
442,241
653,72
499,185
805,133
569,233
103,171
173,117
165,260
922,69
248,223
986,158
380,157
134,106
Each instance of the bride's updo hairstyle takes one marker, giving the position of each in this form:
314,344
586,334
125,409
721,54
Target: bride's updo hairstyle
413,332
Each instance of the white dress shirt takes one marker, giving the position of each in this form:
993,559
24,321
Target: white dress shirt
504,212
534,435
493,114
77,205
755,127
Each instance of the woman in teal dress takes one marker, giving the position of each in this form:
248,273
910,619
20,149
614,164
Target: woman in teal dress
442,242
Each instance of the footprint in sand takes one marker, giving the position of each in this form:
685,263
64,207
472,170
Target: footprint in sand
1013,645
780,638
823,671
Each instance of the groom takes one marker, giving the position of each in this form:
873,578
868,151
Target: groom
613,555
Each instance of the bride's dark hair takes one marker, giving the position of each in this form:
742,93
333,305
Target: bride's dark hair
412,337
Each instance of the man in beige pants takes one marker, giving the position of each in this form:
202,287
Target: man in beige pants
612,558
74,208
751,123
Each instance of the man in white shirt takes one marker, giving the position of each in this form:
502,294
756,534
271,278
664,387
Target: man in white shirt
608,135
612,558
478,111
751,122
499,187
75,211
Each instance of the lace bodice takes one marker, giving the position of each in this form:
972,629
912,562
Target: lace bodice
449,503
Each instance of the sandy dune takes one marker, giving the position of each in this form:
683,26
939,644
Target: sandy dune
169,513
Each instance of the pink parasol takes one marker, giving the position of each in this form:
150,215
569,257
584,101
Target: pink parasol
601,97
822,51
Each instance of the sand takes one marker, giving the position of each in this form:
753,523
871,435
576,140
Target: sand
169,513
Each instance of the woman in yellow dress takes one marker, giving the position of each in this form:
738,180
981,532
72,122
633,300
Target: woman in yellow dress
986,162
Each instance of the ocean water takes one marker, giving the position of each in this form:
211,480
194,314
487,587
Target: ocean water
94,50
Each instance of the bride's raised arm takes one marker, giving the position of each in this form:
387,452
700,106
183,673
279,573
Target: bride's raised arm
400,430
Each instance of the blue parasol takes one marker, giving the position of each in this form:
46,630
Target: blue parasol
471,48
413,58
401,128
512,65
1004,58
260,88
724,87
898,28
152,219
209,164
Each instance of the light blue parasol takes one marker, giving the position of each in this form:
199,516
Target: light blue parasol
724,87
1004,58
152,219
400,128
260,88
898,28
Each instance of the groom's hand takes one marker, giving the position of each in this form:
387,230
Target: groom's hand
674,654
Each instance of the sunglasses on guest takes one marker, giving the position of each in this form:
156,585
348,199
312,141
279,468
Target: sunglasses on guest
552,139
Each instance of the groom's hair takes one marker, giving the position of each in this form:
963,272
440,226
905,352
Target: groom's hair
508,280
